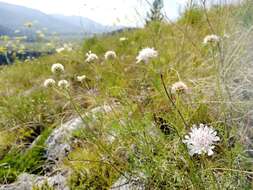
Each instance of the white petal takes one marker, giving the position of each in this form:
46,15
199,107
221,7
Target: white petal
210,152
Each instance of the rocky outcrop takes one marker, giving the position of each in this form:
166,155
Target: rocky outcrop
58,145
27,182
128,184
59,142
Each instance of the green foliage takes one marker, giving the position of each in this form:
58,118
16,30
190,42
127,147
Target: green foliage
28,109
147,125
92,44
43,187
18,161
98,178
245,13
193,16
155,14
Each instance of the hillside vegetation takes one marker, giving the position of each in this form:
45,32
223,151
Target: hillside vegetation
13,17
142,136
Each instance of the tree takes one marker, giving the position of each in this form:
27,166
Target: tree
155,13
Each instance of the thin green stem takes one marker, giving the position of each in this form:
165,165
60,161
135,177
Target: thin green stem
173,103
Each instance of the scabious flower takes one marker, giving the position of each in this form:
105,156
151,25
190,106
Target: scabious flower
201,140
59,50
211,39
68,47
81,78
41,35
28,24
49,44
91,57
226,36
179,87
63,84
122,39
48,83
110,55
57,68
146,54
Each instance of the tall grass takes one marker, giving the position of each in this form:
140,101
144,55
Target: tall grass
147,123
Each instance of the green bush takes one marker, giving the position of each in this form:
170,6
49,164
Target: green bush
193,16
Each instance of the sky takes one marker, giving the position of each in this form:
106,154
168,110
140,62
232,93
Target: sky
108,12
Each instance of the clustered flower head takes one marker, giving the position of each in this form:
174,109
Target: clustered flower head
40,34
66,47
201,140
211,39
59,50
57,68
122,39
146,54
179,87
81,78
28,24
91,57
226,36
49,44
63,84
110,55
48,83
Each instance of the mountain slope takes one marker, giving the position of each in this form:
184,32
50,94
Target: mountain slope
151,110
14,17
85,24
4,30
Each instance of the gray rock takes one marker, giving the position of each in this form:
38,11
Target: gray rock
28,181
24,182
59,142
128,184
58,182
58,146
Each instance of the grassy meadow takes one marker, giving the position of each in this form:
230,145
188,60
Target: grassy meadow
147,123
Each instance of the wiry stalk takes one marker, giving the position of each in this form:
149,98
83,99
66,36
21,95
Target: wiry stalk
168,94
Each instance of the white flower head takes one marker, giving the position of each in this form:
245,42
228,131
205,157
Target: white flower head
179,87
122,39
81,78
63,84
49,44
226,36
146,54
41,35
91,57
211,39
201,140
48,83
59,50
57,68
110,55
28,24
68,47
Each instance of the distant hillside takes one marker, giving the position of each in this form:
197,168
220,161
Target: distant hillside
13,17
4,30
86,24
164,111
